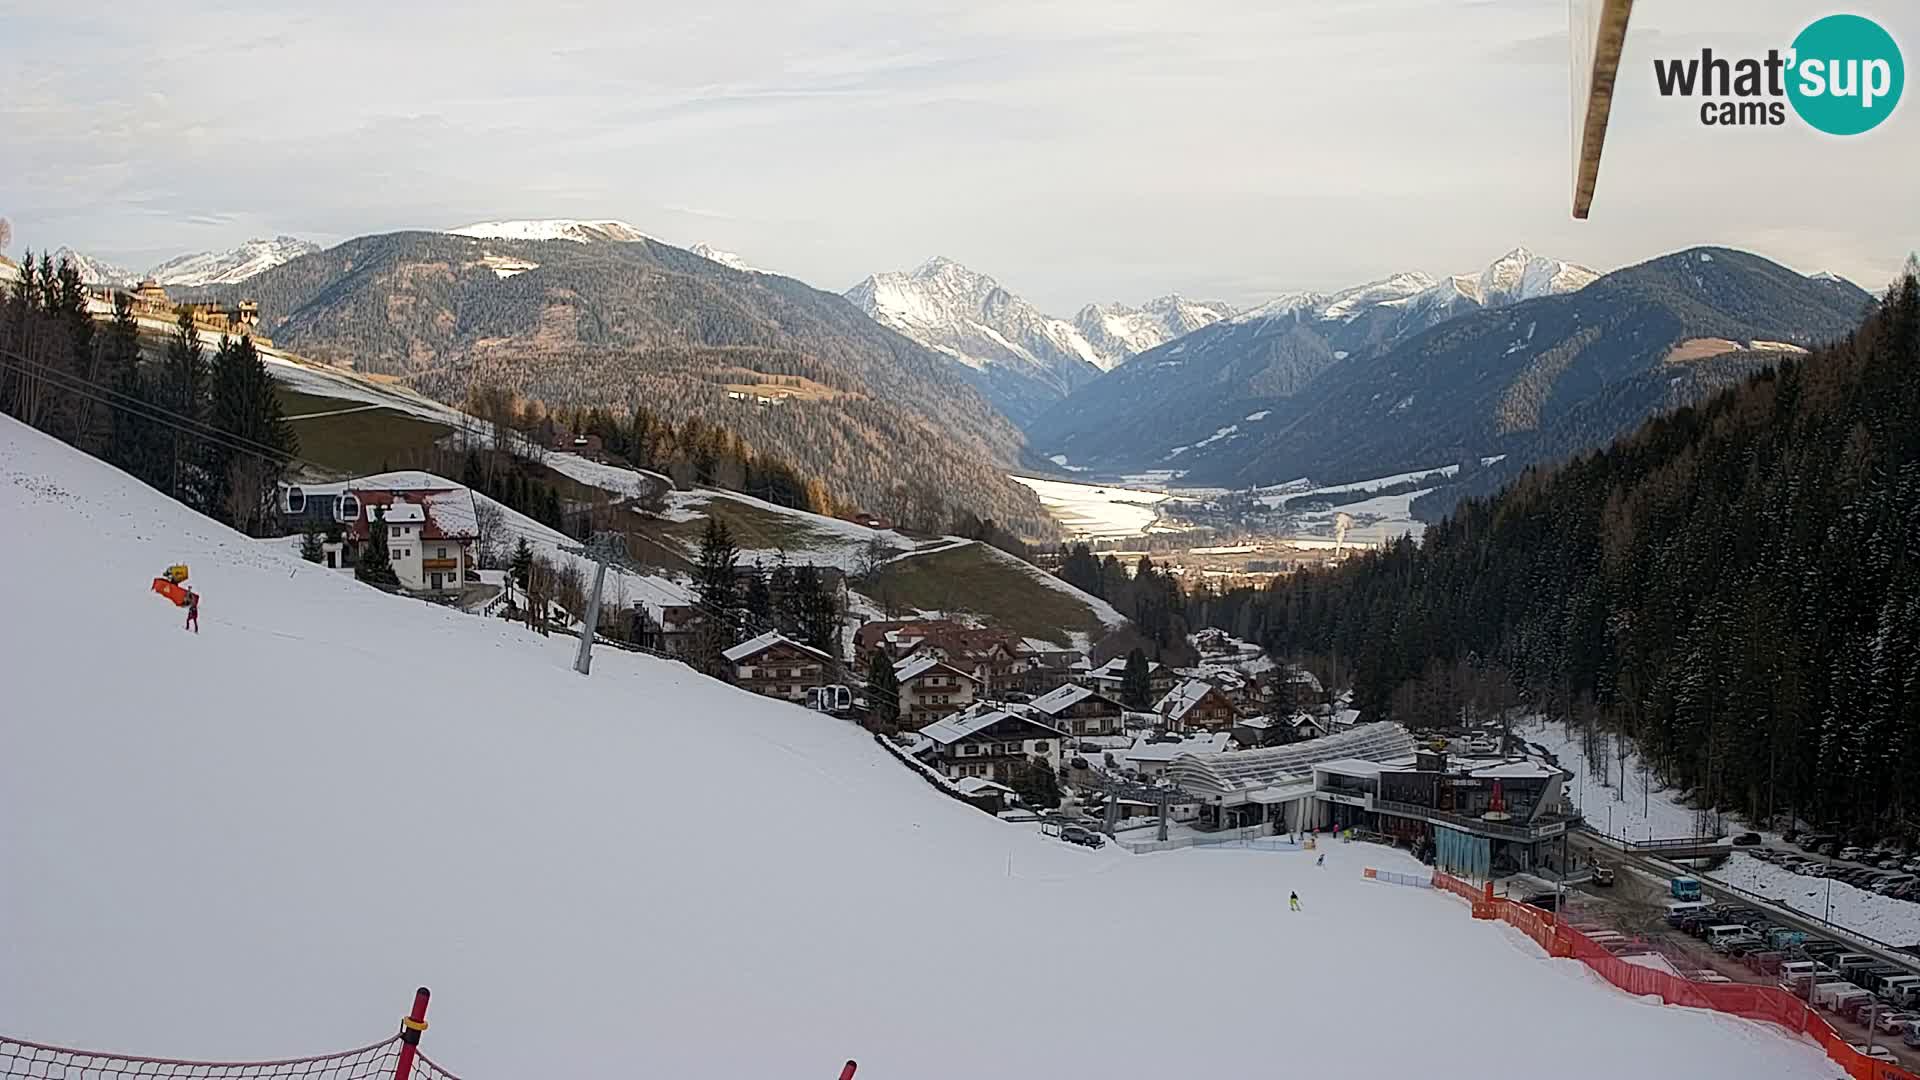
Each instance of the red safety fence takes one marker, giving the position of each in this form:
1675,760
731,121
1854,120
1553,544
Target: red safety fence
1769,1004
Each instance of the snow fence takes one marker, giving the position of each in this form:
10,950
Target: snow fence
1769,1004
397,1057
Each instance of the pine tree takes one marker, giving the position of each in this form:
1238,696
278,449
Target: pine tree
182,391
1136,681
716,577
1034,781
241,475
759,601
883,692
135,443
310,546
375,567
521,564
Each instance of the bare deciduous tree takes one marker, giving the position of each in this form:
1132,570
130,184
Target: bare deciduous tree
490,523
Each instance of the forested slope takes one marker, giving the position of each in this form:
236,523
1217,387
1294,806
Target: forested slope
1735,584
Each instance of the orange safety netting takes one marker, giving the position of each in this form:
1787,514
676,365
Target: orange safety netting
1765,1003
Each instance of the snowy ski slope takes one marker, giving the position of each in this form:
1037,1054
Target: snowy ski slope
254,842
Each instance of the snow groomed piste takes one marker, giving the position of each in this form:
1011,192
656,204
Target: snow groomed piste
236,844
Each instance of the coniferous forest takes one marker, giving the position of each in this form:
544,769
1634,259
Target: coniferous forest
1736,586
202,423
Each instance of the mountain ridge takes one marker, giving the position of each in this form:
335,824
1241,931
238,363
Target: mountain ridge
609,323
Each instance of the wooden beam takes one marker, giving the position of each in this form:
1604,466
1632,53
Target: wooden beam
1609,38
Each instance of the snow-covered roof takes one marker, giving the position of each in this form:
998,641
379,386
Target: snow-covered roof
1356,768
1258,723
953,728
1211,743
405,513
1247,769
1181,699
1062,698
452,514
975,785
915,666
1511,770
756,645
1346,718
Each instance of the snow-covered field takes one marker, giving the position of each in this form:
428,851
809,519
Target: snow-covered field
1896,922
1629,812
1096,511
330,796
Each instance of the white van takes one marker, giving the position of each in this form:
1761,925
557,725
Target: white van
1900,990
1719,935
1828,994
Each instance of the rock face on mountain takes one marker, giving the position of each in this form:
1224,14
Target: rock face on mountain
575,319
1386,385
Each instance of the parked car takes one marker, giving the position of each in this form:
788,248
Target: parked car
1602,875
1894,1021
1080,834
1746,839
1888,862
1888,884
1829,848
1814,841
1876,1052
1851,853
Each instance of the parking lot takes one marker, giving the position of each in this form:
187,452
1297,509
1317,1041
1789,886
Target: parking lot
1888,873
1636,908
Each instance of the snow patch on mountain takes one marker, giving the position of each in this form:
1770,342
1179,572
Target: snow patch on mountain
1518,275
231,267
577,231
724,258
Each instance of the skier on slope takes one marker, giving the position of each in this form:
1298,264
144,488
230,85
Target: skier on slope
1322,860
193,611
1293,901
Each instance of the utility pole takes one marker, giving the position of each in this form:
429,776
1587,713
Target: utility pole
603,548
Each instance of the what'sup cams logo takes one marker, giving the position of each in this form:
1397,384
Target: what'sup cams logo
1842,75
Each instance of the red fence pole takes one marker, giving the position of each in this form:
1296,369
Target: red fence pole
847,1072
410,1029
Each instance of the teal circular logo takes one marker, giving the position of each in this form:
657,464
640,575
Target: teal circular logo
1847,75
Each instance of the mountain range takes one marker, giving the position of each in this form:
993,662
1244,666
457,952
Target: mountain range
1202,386
579,316
1380,380
1020,357
199,269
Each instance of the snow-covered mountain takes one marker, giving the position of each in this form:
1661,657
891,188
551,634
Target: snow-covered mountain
724,258
229,267
1116,330
580,232
95,271
1216,377
1022,358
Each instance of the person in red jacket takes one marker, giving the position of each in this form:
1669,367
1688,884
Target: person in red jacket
193,611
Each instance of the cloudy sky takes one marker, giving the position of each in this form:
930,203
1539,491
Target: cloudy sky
1077,150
